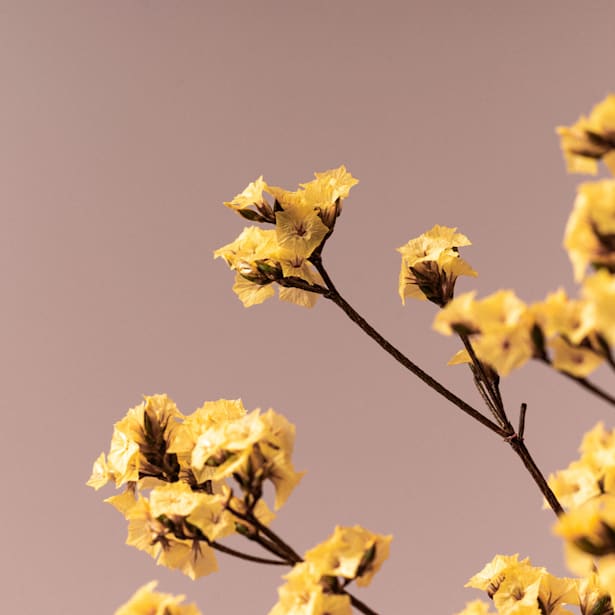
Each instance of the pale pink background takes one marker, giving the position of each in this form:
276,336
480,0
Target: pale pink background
123,127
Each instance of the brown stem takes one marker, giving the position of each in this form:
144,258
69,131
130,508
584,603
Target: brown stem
507,432
491,394
250,558
276,546
518,445
360,606
584,383
332,294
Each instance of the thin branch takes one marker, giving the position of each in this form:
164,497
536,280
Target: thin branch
332,294
521,430
507,432
518,445
250,558
491,387
584,383
360,606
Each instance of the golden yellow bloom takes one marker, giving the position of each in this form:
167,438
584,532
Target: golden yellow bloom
155,535
591,139
576,360
210,414
590,232
299,229
588,532
518,588
493,572
430,265
518,593
598,448
500,328
252,255
139,444
146,601
351,552
304,594
593,597
560,315
251,204
252,449
179,504
577,484
324,194
100,473
192,557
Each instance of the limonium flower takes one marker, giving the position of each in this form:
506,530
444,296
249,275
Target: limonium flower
302,220
590,231
430,265
591,139
499,326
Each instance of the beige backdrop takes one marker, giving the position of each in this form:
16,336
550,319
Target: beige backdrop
125,125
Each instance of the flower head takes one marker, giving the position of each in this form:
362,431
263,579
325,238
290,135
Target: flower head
430,265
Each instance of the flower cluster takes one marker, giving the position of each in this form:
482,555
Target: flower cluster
518,588
315,586
587,489
430,265
189,464
302,219
591,139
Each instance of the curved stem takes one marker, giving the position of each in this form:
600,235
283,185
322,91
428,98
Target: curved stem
246,556
401,358
507,431
584,383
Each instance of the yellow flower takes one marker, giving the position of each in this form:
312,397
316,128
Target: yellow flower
100,473
591,139
576,360
559,315
500,327
351,552
430,265
251,204
588,532
324,194
304,594
489,578
598,448
252,255
518,593
590,232
152,531
593,597
146,601
575,485
212,414
139,444
192,557
299,229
